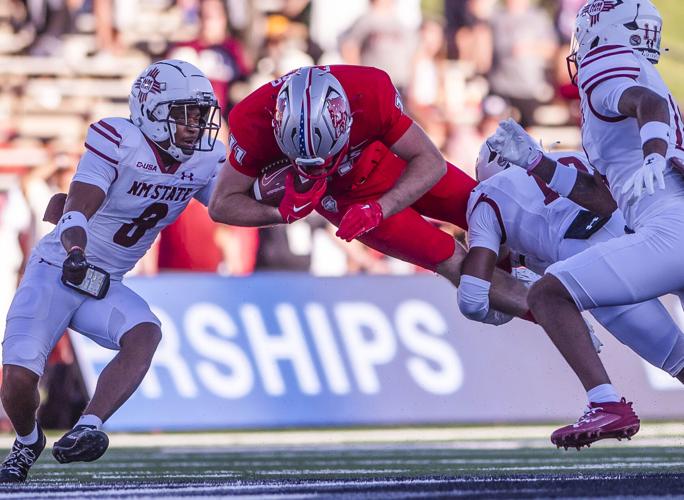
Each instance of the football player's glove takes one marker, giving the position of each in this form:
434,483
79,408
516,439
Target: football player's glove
644,179
75,266
515,145
359,219
295,205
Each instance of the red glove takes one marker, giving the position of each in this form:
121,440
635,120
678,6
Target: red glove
359,219
294,205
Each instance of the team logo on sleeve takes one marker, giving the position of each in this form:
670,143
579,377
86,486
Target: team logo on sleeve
148,84
594,9
397,102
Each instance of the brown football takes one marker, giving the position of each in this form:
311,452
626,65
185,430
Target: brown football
269,187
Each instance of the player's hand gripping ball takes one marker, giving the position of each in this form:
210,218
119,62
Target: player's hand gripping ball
75,266
296,202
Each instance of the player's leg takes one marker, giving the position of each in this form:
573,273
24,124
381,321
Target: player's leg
448,199
607,274
39,314
122,321
409,237
649,330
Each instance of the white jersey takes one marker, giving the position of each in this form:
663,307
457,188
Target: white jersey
143,195
612,141
518,210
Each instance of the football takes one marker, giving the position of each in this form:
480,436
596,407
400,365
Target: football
269,187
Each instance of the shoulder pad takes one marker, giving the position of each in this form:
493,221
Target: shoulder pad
109,138
607,63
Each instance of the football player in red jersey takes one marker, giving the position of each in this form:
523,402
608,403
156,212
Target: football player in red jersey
373,172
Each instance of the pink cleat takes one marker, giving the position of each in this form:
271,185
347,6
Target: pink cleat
600,421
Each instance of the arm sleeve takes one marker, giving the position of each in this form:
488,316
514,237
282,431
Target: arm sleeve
484,228
606,97
204,194
604,74
393,121
98,165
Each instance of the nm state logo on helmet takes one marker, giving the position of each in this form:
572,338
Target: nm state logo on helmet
594,9
148,84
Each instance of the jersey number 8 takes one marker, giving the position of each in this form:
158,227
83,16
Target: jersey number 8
129,234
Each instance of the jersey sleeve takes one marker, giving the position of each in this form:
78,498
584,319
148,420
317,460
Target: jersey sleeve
99,163
393,121
204,194
485,226
604,74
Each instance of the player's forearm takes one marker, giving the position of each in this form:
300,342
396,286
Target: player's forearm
241,210
589,191
647,106
419,176
508,294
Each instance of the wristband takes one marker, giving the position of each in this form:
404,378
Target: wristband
534,162
563,179
655,130
473,297
72,219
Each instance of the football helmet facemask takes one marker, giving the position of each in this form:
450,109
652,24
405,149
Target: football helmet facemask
489,163
173,93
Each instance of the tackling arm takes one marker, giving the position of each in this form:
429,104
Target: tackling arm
425,167
230,203
589,191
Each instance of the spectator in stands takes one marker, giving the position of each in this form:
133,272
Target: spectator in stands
425,96
284,49
379,38
524,45
215,52
565,23
473,40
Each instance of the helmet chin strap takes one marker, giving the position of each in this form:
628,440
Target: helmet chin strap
172,149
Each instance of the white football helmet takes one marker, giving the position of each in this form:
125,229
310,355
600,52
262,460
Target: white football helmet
312,121
631,23
164,86
489,163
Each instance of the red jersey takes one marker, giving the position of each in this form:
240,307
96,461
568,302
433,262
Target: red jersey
376,108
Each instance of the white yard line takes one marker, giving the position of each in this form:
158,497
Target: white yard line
493,437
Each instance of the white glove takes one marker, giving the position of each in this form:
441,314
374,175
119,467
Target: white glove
496,318
515,145
644,179
594,339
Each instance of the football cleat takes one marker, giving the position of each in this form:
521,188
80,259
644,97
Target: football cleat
83,443
600,421
20,459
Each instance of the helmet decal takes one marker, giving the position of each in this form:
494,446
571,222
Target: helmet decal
338,113
596,8
148,84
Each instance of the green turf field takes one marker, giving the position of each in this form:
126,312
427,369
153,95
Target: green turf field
367,464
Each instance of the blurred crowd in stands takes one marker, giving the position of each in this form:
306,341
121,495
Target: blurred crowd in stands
461,65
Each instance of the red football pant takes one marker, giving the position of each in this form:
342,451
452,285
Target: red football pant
407,235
